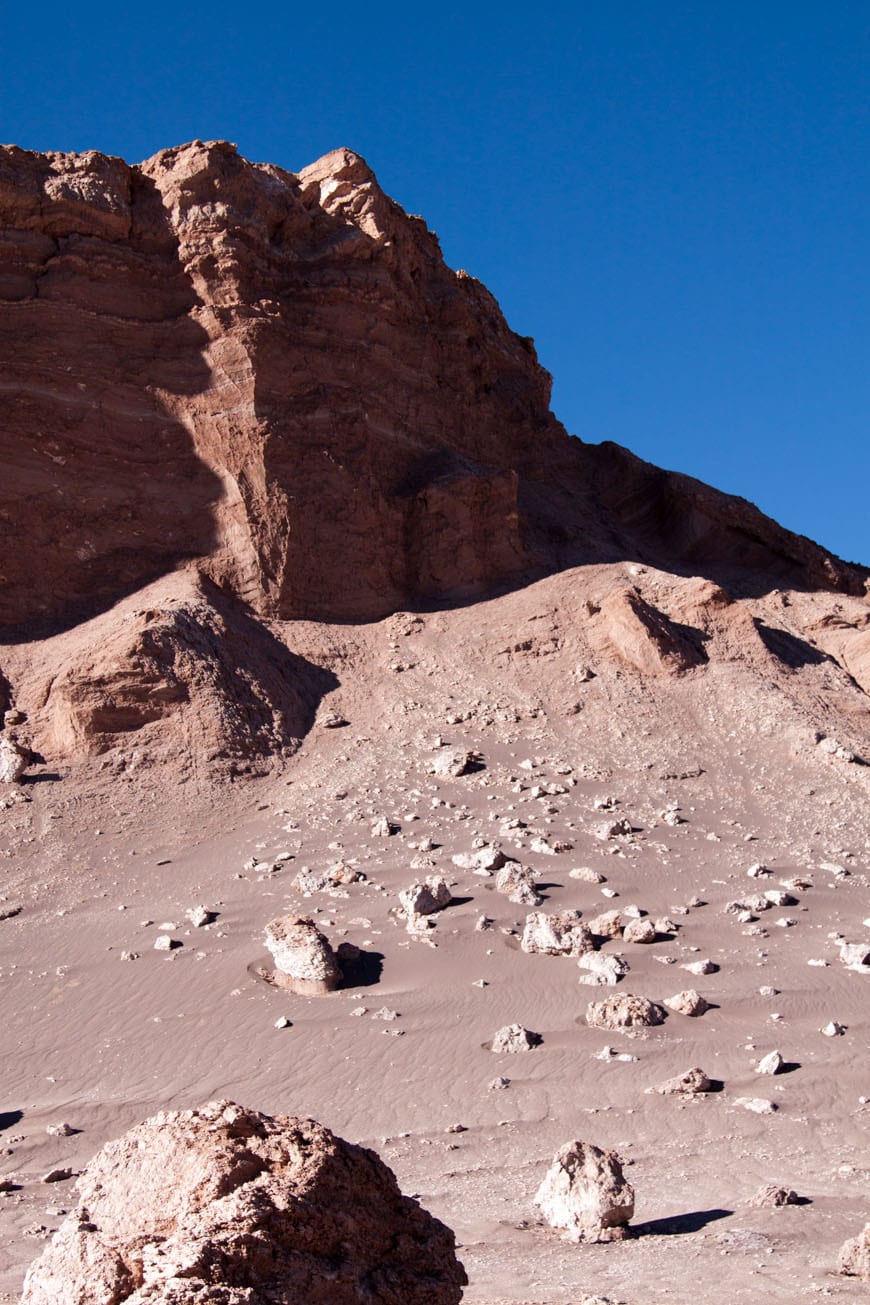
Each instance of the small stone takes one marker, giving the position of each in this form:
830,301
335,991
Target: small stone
60,1130
561,933
758,1105
604,968
772,1063
587,876
518,884
59,1175
701,967
689,1002
833,1030
514,1038
282,1022
692,1083
163,943
772,1196
639,931
199,916
498,1084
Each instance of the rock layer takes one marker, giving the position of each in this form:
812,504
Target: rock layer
277,375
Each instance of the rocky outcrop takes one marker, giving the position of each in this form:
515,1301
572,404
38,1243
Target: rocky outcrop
277,375
186,663
855,1256
642,637
227,1206
304,959
585,1192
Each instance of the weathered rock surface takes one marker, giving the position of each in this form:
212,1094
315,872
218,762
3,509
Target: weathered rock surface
304,959
585,1193
854,1259
604,968
644,638
424,898
514,1038
692,1083
228,1206
464,477
519,884
561,933
689,1002
13,761
624,1011
770,1196
181,664
180,343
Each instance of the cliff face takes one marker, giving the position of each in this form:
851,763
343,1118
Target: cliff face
277,375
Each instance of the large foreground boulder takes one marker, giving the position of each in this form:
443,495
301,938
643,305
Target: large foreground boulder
227,1206
585,1193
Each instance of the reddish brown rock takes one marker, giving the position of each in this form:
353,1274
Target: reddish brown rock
228,1206
181,347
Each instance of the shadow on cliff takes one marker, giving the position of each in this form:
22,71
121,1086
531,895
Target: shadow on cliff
103,491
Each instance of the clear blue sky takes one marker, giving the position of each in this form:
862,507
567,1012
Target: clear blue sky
672,198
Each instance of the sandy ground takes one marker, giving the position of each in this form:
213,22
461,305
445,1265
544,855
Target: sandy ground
100,1030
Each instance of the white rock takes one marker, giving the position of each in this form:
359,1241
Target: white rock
513,1038
561,933
758,1105
772,1063
13,761
584,1192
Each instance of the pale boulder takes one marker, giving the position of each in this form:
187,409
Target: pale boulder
304,959
689,1002
624,1011
855,1256
561,933
584,1192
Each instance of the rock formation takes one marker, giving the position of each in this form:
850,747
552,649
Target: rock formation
561,933
265,379
855,1256
249,442
585,1192
304,959
232,1207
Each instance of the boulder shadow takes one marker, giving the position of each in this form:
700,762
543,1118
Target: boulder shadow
9,1118
680,1224
363,971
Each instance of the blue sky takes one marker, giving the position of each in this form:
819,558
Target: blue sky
672,198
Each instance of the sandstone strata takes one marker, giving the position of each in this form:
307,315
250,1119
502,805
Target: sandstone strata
231,1207
249,442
